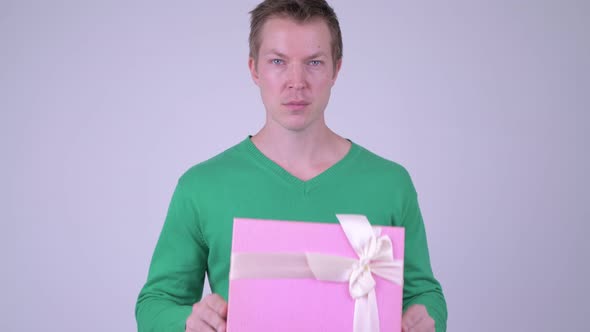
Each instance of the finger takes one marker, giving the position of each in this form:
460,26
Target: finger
412,317
217,304
199,326
211,318
195,322
425,325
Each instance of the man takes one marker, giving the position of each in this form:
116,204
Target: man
294,168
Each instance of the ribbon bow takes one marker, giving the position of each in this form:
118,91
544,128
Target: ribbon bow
375,254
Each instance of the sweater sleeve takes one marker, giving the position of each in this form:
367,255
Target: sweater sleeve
420,286
177,270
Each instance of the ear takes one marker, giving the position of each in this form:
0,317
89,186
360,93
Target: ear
253,70
336,70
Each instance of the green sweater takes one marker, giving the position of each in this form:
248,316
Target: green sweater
243,182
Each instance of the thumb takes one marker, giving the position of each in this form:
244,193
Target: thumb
413,315
218,304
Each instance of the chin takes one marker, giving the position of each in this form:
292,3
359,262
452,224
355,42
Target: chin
290,121
294,122
296,127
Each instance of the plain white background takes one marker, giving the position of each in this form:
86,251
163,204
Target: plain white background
103,105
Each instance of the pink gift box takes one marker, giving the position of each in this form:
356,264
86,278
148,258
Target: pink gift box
295,304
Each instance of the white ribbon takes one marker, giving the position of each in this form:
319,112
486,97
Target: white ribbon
375,254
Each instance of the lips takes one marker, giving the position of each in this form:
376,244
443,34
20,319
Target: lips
296,104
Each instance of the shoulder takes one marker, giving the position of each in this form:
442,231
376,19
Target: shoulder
386,170
376,163
215,167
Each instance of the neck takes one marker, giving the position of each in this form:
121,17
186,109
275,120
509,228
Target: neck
301,149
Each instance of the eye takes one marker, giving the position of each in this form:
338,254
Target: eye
277,61
315,63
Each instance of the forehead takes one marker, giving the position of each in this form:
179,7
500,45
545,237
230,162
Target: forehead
289,36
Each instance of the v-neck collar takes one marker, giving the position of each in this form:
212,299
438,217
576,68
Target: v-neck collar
251,148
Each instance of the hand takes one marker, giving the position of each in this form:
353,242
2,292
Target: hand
416,319
208,315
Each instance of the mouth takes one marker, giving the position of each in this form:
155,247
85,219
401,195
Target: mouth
296,105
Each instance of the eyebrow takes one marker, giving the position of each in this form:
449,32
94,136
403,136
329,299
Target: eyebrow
277,53
317,55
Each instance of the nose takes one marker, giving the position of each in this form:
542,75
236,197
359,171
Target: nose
297,77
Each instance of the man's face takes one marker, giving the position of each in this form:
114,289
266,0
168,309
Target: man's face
295,72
